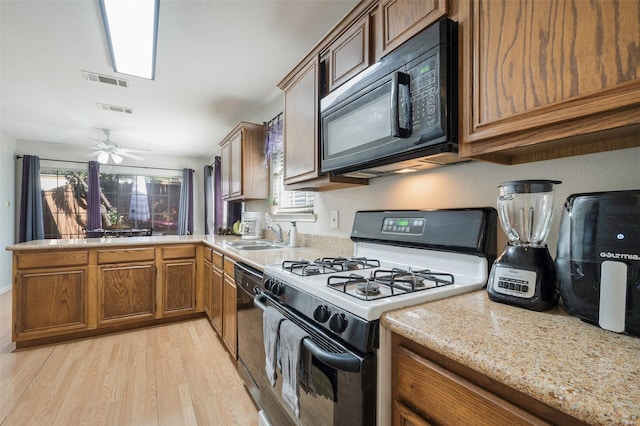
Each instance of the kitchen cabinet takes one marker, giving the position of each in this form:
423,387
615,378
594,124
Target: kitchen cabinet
243,171
178,279
547,79
348,54
126,285
217,286
428,388
399,20
229,309
301,150
50,294
207,277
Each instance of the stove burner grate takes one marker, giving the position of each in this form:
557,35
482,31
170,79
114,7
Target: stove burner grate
328,265
392,281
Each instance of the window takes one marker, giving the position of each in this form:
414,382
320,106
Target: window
130,200
283,202
287,201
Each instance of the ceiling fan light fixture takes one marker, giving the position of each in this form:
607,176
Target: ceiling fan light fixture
103,158
116,158
132,32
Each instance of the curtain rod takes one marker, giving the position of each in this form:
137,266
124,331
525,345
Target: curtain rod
120,165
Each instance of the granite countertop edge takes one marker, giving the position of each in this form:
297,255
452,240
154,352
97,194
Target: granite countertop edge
575,367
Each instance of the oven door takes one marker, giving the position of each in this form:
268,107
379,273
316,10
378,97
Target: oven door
342,385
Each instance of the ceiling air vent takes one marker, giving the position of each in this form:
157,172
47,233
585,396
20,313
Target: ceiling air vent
115,108
100,78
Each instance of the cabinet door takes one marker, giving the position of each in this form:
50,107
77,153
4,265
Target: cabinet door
229,323
225,166
48,302
216,299
236,165
126,292
349,54
538,72
430,393
399,20
179,286
301,126
206,288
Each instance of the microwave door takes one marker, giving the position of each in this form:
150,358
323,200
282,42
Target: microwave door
368,126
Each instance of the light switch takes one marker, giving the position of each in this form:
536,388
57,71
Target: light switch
333,221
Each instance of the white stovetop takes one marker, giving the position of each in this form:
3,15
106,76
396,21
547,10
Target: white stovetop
470,272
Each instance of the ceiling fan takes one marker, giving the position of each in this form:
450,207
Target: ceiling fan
108,151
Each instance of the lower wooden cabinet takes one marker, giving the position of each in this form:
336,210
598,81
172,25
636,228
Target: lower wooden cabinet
429,388
178,279
126,292
217,292
50,301
207,277
229,310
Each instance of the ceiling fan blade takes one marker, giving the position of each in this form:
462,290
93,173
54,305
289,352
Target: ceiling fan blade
140,151
129,155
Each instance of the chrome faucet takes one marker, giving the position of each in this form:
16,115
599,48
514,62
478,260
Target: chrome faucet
277,230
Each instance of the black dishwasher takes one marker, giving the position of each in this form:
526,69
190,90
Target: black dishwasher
251,359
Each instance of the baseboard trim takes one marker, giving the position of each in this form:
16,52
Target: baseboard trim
5,288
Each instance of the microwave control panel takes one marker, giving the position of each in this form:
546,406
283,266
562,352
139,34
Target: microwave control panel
425,94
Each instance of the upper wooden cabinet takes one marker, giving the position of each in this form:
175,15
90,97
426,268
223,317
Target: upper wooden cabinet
548,79
244,174
348,54
399,20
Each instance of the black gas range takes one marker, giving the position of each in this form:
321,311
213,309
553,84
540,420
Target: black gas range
401,258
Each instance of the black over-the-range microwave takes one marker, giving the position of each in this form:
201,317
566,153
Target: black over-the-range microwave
401,112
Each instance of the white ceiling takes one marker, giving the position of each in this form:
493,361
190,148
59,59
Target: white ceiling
218,62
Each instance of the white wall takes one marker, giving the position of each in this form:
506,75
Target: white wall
476,184
7,202
147,167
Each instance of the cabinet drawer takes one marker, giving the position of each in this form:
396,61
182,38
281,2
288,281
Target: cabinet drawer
47,259
208,254
442,397
179,252
229,267
217,260
126,255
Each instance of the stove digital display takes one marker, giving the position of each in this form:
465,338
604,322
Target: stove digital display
403,225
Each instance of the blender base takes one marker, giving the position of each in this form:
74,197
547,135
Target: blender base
525,277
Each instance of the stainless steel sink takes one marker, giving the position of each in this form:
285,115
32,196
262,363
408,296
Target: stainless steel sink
255,245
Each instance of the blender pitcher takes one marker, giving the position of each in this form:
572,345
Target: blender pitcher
524,274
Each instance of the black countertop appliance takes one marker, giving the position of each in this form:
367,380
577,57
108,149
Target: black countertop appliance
598,259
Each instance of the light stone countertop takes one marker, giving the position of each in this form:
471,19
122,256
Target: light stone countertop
578,368
312,246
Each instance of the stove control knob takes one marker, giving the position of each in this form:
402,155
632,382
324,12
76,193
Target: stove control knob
277,288
338,323
268,283
321,313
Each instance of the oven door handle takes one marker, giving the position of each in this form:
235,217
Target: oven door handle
339,361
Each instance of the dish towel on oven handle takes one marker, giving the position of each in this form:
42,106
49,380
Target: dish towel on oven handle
271,320
291,337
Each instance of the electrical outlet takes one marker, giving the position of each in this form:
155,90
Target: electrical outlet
333,221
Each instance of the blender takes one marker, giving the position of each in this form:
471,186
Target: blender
524,274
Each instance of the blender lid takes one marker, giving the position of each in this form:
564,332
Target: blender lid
527,186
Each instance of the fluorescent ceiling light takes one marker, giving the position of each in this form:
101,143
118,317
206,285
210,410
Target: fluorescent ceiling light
132,32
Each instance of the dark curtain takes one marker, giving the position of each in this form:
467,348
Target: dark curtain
208,200
94,218
185,213
31,215
217,194
234,212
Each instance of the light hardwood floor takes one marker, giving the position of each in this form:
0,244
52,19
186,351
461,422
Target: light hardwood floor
175,374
